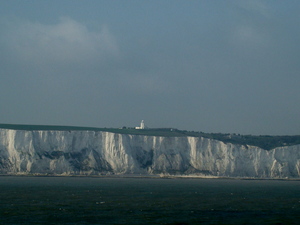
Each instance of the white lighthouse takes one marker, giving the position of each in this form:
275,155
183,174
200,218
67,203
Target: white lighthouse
142,125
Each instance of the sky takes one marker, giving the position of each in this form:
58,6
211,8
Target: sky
212,66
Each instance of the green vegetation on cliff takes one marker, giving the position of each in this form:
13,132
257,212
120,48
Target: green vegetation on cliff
266,142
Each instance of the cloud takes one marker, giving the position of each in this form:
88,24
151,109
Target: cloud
253,25
250,36
67,41
254,7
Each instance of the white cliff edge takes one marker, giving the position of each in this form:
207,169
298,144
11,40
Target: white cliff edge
104,153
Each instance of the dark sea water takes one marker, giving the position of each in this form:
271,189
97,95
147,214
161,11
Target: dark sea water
87,200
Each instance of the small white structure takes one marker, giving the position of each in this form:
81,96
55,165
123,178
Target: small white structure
142,125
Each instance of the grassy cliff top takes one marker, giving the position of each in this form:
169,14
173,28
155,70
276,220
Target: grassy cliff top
266,142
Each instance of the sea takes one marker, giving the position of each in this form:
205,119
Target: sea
98,200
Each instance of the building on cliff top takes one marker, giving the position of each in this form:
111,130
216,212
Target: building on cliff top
142,126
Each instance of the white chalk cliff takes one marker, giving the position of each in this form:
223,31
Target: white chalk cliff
96,153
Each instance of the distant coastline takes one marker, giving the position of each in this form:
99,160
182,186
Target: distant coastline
266,142
134,176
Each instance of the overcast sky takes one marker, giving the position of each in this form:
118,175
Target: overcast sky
212,66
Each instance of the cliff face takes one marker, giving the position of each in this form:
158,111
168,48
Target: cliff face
90,152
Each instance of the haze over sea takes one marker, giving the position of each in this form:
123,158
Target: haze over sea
88,200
